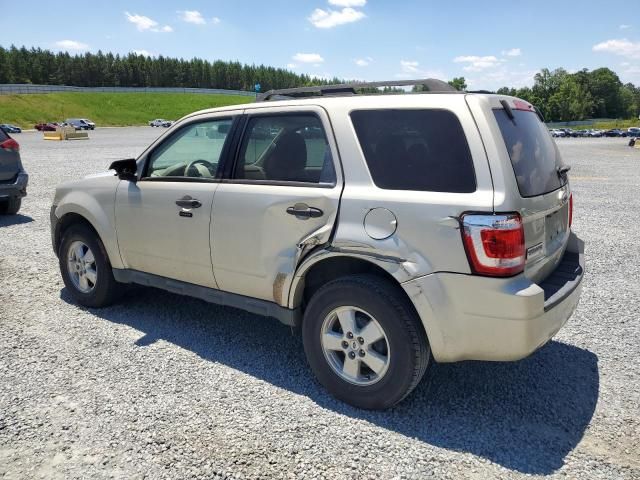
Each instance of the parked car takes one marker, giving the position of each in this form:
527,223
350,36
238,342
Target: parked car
579,133
389,235
159,122
78,124
13,178
46,127
8,128
89,123
633,132
557,133
594,133
615,132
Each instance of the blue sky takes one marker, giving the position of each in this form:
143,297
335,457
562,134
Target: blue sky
492,43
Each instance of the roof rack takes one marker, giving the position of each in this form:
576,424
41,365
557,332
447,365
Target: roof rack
344,89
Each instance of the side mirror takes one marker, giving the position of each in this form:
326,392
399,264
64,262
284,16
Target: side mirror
125,169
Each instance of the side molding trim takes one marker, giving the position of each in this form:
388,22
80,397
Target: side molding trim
287,316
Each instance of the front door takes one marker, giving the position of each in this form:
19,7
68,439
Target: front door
281,198
163,220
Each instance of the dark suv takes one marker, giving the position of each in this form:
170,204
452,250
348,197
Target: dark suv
13,178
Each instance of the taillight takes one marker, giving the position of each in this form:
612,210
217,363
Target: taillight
10,145
494,244
570,210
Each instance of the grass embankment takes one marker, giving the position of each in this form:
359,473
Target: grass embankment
107,109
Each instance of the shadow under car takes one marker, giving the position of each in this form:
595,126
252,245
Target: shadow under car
526,415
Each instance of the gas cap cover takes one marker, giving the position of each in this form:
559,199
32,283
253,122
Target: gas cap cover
380,223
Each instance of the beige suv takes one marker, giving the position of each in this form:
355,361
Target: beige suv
390,228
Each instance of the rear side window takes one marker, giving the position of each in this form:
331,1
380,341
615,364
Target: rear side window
533,153
3,135
423,150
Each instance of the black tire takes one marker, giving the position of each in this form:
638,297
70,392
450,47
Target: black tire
408,344
106,290
11,206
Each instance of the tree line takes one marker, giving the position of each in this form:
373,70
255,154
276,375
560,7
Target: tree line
560,95
38,66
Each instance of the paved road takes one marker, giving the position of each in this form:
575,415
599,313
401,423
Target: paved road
169,387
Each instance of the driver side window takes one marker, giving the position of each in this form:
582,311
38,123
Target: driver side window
193,151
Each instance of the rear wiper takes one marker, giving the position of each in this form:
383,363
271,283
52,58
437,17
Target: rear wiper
562,171
507,109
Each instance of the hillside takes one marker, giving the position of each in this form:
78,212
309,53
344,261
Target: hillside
107,109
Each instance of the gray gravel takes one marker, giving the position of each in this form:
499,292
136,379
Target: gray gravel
169,387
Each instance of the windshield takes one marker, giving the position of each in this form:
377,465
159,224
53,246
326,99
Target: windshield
534,155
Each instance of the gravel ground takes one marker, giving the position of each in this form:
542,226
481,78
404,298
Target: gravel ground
169,387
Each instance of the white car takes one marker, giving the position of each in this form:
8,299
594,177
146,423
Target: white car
390,228
159,122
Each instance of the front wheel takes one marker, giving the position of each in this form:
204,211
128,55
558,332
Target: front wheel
85,268
364,342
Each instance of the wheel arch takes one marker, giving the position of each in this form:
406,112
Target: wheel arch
326,265
70,219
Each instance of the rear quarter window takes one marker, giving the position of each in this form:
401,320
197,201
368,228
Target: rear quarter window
424,150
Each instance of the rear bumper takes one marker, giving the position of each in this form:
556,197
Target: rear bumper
18,188
471,317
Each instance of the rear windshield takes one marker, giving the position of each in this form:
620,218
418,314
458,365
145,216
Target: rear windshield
534,155
3,135
423,150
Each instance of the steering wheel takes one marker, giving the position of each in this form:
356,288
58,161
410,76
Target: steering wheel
191,165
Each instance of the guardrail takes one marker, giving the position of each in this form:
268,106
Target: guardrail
16,88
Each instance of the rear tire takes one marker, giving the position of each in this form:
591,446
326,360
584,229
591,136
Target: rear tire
85,268
11,206
388,369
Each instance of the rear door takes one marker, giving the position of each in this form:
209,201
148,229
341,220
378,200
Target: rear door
280,198
529,178
9,158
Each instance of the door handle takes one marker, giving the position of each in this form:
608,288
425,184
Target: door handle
304,210
188,202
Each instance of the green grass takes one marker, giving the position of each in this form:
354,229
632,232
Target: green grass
107,109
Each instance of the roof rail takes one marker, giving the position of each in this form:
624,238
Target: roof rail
431,84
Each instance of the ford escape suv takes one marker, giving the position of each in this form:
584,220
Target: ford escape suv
390,228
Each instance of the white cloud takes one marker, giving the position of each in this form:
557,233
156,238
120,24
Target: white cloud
143,23
409,66
72,45
348,3
624,27
622,47
215,20
476,63
332,18
143,52
512,52
363,62
314,58
192,16
502,77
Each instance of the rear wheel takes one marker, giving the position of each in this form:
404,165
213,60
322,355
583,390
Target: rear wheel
364,341
11,206
85,268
